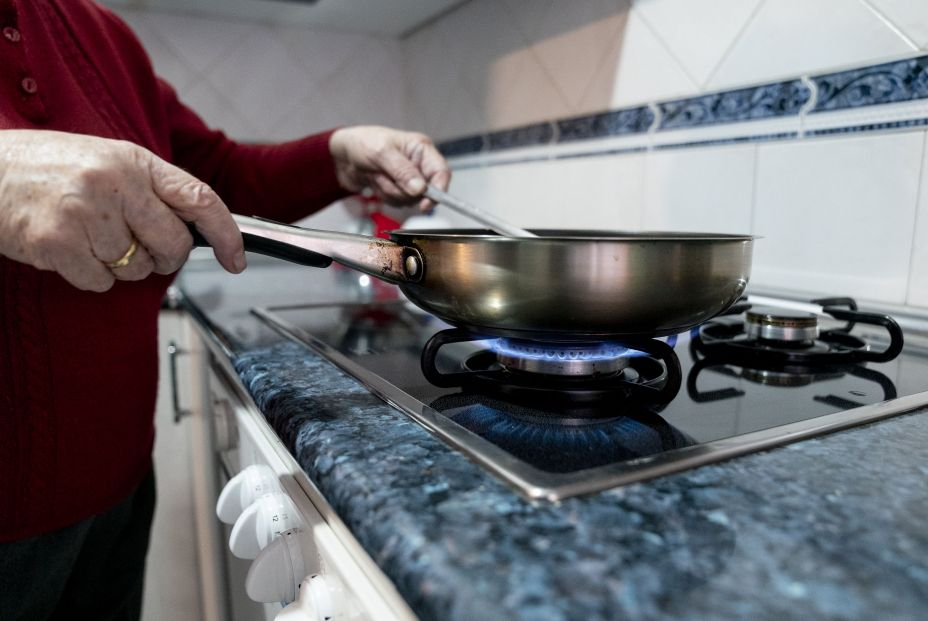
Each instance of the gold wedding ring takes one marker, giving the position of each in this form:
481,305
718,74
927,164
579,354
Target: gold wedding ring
124,261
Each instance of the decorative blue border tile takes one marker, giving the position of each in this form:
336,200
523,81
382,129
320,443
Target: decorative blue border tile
524,136
605,124
903,80
745,104
897,81
461,146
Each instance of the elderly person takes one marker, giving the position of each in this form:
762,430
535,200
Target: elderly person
101,170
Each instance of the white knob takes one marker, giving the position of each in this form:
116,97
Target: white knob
276,573
315,602
264,520
242,490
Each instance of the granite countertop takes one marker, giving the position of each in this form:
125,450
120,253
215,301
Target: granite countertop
829,528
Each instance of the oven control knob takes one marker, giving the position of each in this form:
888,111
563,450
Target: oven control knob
259,524
316,602
276,573
243,489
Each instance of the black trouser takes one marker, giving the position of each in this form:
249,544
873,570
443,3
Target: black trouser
94,569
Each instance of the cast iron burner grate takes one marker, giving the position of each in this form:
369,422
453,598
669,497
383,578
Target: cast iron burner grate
646,371
784,340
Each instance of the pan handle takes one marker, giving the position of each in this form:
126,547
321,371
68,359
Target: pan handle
380,258
270,248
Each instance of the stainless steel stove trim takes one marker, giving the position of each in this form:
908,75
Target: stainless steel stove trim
536,484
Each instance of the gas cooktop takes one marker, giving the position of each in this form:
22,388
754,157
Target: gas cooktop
557,419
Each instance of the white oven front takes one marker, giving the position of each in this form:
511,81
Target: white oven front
270,546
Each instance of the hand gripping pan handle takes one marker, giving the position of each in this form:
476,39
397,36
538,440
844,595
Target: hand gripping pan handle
380,258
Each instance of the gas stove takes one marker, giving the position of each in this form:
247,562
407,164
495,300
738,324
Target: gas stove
557,419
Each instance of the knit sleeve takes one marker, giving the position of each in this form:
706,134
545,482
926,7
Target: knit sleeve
285,181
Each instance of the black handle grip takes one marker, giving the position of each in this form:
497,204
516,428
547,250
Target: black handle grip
270,248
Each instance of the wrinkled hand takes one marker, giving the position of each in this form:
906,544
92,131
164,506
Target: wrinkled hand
72,203
395,164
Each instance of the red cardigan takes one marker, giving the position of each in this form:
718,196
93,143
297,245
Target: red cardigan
79,370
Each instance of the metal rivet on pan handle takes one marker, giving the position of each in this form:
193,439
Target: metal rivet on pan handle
413,265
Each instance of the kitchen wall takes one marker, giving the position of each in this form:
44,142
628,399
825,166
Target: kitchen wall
779,118
268,81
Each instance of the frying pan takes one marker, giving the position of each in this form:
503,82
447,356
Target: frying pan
564,285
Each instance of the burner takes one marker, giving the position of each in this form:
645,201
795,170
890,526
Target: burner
559,376
563,444
782,325
776,339
585,359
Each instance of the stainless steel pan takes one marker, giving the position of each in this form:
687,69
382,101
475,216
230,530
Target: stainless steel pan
562,285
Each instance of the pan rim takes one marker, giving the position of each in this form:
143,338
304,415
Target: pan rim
574,235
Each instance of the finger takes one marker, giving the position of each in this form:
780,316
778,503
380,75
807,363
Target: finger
404,174
161,232
67,250
140,265
388,190
434,167
82,269
426,205
194,201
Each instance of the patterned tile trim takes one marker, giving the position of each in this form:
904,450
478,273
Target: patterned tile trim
605,124
902,80
746,104
461,146
525,136
893,82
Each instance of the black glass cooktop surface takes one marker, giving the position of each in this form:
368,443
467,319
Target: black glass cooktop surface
686,409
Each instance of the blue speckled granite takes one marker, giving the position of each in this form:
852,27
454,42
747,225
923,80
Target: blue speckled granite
832,528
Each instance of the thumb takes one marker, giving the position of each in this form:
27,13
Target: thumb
194,201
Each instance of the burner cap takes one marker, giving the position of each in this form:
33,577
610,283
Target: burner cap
780,324
561,358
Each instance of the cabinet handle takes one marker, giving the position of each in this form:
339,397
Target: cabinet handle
173,352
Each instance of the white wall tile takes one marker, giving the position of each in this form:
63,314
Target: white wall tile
697,33
216,110
519,91
708,190
432,84
590,192
645,70
370,88
321,54
571,39
261,79
167,63
911,18
918,282
259,82
836,215
787,38
198,41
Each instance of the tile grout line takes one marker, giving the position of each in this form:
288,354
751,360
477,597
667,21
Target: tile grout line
918,200
809,105
700,89
731,45
890,24
754,191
